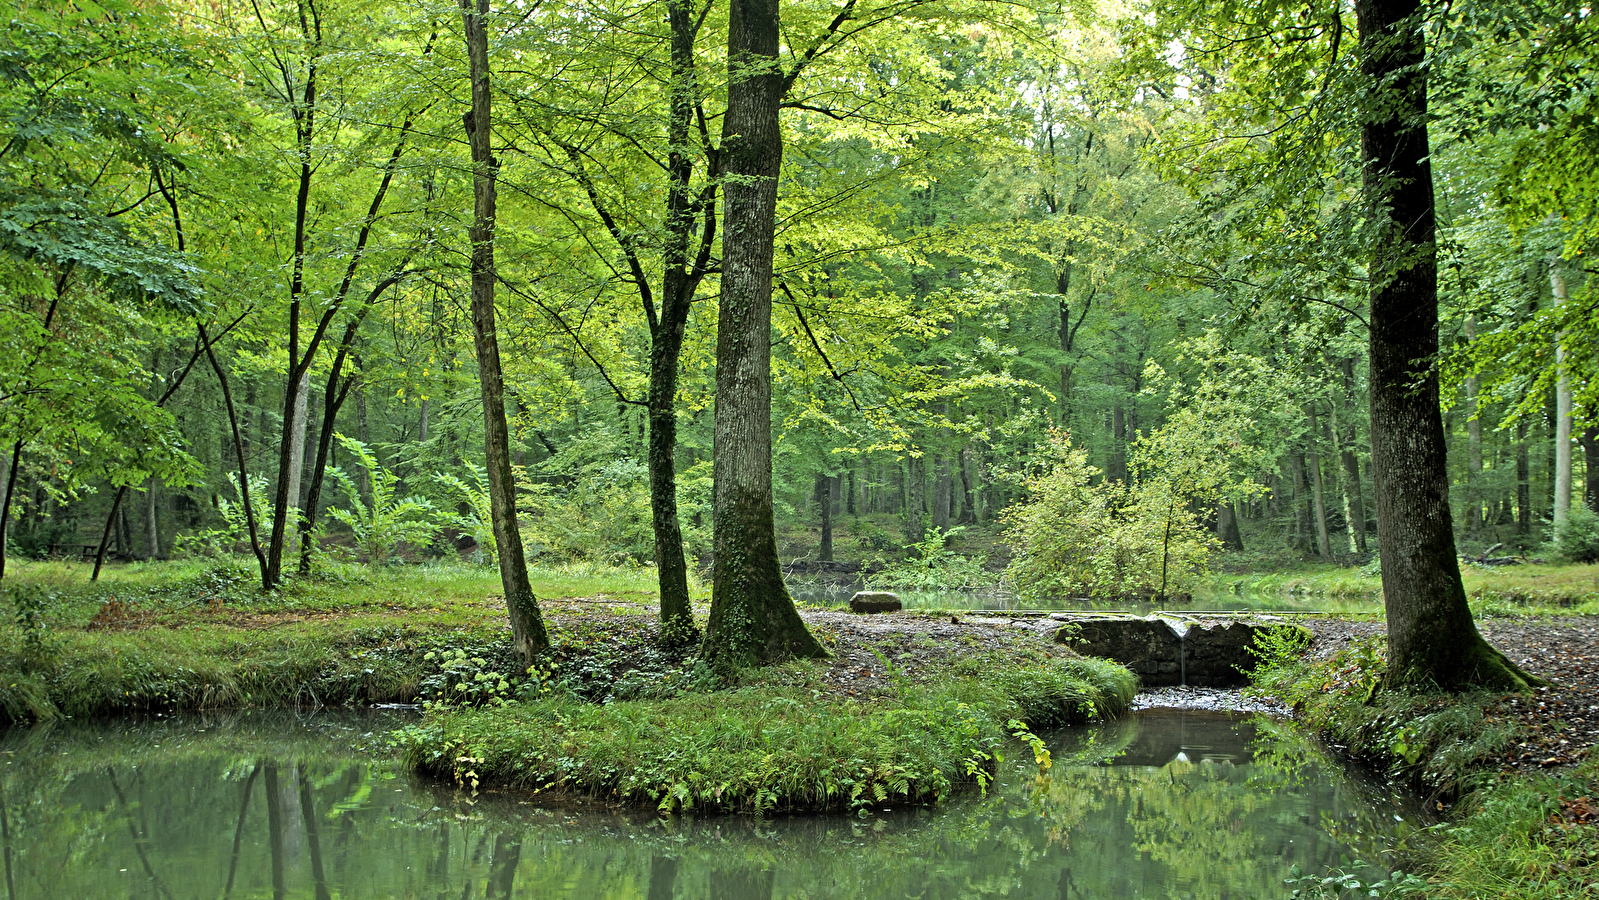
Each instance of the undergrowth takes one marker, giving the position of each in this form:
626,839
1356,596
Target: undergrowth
777,744
1511,835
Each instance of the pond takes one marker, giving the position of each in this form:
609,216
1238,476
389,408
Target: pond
1164,803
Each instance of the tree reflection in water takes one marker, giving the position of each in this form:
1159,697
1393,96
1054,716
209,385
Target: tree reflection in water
1163,803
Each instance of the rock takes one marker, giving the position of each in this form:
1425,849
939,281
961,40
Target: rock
1167,651
875,602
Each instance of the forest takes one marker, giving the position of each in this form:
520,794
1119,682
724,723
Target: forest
542,371
1122,253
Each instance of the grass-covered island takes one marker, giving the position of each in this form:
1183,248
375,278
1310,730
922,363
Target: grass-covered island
904,711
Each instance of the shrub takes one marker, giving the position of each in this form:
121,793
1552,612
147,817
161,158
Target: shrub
1577,539
934,567
1073,537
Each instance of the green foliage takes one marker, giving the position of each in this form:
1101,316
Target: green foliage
1577,539
603,516
388,520
30,603
1341,883
767,747
1076,538
233,535
478,520
463,680
933,566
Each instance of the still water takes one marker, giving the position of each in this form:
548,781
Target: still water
1164,803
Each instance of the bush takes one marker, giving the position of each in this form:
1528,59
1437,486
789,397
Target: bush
381,525
1577,541
934,567
1075,538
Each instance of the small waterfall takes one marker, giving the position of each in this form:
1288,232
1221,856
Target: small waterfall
1181,630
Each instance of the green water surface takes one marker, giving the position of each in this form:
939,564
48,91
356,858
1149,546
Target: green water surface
1164,803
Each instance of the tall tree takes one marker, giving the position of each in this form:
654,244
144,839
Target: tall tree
1432,640
752,620
527,625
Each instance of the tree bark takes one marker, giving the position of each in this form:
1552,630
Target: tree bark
1296,466
152,519
1227,527
943,487
527,624
1432,640
1118,447
824,499
1523,480
1590,467
1318,491
752,619
1562,499
1473,446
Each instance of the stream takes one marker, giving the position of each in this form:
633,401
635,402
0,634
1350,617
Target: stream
1164,803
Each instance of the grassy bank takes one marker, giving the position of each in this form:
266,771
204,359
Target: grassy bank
169,636
779,742
1491,589
1507,833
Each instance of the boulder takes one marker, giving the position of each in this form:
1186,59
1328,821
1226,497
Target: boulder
875,602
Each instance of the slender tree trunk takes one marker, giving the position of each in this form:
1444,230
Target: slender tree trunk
422,423
1473,446
824,499
291,458
1562,499
1318,491
1590,467
506,857
943,487
238,447
752,620
1349,483
13,463
527,624
1432,639
1523,480
915,523
1118,445
363,433
1302,530
152,519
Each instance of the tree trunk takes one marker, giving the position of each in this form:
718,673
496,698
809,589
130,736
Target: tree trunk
824,500
1227,527
943,486
1343,442
152,519
1118,446
915,524
363,433
527,624
752,619
1562,500
680,278
1296,465
1473,446
1432,640
1318,491
1523,480
1590,467
13,462
291,456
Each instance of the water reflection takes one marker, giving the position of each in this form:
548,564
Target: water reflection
1164,803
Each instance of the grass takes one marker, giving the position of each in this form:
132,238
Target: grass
1540,589
195,635
1511,835
777,743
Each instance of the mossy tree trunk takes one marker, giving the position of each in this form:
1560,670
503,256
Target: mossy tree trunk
1432,640
752,620
527,625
